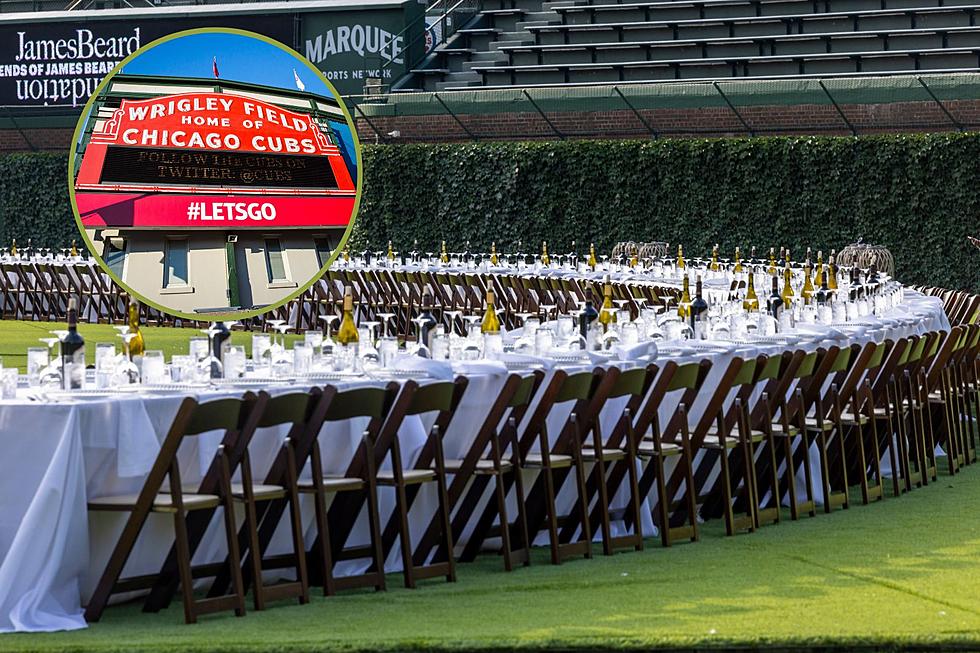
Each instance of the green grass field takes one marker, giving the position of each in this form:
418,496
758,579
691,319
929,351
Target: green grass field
16,337
901,574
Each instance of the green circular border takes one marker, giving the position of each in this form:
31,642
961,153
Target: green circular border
239,315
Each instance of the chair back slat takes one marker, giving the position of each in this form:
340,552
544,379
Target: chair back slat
432,397
576,387
632,382
359,402
290,408
223,414
685,377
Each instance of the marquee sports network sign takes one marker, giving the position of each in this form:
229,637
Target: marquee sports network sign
211,160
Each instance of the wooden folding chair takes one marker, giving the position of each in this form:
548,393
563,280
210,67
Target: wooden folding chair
234,417
430,467
672,440
553,461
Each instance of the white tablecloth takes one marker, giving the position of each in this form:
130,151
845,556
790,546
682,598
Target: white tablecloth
57,455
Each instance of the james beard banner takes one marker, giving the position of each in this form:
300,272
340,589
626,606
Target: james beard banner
61,63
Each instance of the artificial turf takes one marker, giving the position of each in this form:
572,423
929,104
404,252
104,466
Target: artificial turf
900,574
16,337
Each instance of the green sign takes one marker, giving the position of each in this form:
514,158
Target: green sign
351,46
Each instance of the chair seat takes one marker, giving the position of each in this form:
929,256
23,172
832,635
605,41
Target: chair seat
411,476
334,484
483,466
754,435
778,429
812,425
850,419
162,502
556,460
589,453
647,449
936,397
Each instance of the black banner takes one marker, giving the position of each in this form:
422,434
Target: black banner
61,63
131,165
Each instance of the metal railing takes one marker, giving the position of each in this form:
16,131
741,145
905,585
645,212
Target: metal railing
751,107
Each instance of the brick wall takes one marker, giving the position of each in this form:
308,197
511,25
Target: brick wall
770,120
26,140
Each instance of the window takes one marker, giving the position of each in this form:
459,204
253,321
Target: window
323,250
175,264
114,255
275,262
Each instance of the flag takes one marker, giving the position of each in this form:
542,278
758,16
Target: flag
214,66
299,82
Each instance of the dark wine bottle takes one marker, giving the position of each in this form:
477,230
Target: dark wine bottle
220,342
427,325
73,351
775,304
699,311
586,317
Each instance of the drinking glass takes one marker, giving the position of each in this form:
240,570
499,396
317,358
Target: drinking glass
493,346
8,383
314,340
183,368
302,358
105,363
154,369
389,350
235,362
544,341
198,347
261,344
37,360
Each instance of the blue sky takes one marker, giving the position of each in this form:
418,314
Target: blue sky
241,59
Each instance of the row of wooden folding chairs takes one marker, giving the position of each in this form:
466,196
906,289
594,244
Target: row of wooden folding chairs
961,307
855,404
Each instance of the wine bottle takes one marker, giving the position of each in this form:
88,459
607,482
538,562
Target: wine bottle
443,254
772,260
751,302
391,253
714,258
699,312
346,253
493,254
752,254
738,261
136,346
592,260
832,272
220,343
73,351
573,256
415,250
607,315
774,305
466,253
787,287
545,259
13,247
586,317
490,322
680,257
823,294
807,291
634,257
347,335
684,306
818,281
30,248
427,324
74,250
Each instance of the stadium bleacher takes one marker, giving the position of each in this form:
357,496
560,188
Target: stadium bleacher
530,43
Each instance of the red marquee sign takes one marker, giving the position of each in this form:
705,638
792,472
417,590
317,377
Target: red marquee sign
212,161
225,212
213,121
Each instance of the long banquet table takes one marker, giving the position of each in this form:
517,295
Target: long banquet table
57,455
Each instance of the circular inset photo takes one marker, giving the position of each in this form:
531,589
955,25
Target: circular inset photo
215,172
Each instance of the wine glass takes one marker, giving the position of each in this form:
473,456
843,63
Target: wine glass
385,319
210,366
51,375
126,372
451,321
